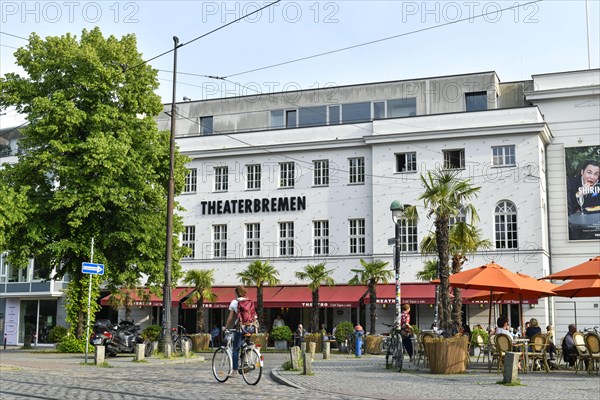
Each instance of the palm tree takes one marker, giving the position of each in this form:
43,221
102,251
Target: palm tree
259,274
371,274
124,295
464,238
317,275
202,280
445,195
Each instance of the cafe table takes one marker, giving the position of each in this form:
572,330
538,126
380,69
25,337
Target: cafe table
524,344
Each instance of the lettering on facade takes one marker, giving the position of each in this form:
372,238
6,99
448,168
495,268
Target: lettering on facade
246,206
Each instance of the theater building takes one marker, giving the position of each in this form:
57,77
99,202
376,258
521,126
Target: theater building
307,177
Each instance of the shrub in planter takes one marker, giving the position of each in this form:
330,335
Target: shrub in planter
57,334
342,330
483,333
152,333
281,333
70,344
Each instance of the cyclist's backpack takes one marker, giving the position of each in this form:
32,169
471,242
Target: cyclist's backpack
247,317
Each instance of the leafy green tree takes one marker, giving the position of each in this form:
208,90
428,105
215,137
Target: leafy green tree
370,275
259,273
92,163
317,275
202,281
12,210
445,196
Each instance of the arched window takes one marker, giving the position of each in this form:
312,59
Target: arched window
505,225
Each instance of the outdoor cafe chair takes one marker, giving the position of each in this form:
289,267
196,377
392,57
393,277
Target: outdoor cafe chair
592,344
421,350
504,344
538,345
483,348
582,353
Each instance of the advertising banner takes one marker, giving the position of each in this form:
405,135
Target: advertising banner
583,192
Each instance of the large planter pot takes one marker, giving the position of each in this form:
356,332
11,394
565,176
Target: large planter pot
281,345
447,355
372,344
200,341
342,347
260,339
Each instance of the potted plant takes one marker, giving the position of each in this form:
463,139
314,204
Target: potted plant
281,336
152,333
342,330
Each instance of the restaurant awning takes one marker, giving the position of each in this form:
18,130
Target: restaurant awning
329,297
227,293
150,299
411,293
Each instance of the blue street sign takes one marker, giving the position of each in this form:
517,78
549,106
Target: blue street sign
93,269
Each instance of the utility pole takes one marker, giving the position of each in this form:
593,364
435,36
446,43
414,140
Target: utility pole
166,344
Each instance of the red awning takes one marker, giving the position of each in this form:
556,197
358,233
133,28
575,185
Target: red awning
153,300
411,293
227,293
301,296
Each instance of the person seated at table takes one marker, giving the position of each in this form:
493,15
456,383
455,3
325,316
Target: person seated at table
533,328
569,350
503,326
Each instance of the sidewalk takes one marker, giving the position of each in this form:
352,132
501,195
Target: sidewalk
367,377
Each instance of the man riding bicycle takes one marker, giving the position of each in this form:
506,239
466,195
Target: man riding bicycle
234,320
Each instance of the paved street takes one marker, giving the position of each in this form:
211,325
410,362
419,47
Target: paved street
44,375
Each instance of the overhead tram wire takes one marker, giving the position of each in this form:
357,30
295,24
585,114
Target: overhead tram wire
517,5
208,33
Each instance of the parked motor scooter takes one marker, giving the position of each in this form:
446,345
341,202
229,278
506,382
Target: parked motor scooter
120,338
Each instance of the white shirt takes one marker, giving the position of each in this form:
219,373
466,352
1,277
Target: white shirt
278,322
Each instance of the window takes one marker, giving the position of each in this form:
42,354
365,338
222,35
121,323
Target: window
206,125
321,173
188,240
406,162
408,235
191,180
286,175
219,241
357,236
378,109
476,101
503,156
505,225
356,112
277,119
334,115
286,239
312,116
320,238
291,118
357,170
253,240
454,159
221,179
402,108
253,176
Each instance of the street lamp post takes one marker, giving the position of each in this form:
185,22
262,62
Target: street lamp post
166,344
397,210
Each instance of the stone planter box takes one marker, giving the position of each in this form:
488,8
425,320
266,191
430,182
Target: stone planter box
200,341
372,344
281,345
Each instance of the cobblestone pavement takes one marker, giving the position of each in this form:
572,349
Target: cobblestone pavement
48,375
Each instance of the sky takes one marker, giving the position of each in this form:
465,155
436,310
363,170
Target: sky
366,41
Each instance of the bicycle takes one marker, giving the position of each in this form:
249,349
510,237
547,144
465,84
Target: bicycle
179,337
384,344
251,361
394,357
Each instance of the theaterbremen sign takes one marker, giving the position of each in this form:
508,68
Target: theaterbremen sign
247,206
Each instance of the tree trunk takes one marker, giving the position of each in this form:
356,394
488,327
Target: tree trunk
373,306
128,311
315,311
457,262
442,243
259,306
200,315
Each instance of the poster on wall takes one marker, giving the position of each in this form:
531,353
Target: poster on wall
583,192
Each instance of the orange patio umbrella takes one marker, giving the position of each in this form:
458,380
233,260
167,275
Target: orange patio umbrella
579,288
495,278
586,270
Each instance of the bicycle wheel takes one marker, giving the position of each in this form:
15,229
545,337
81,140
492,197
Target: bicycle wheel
383,345
399,356
252,365
221,365
389,355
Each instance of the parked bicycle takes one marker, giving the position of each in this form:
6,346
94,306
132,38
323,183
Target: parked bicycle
179,337
251,361
384,344
590,330
351,343
394,356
